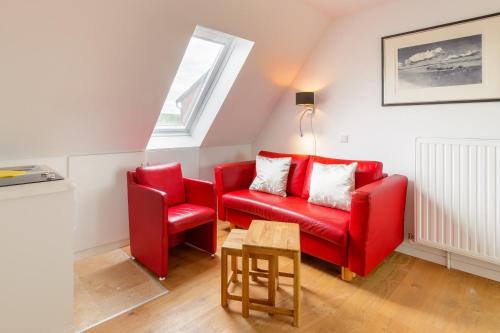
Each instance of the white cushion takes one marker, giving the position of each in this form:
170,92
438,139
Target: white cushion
332,185
272,175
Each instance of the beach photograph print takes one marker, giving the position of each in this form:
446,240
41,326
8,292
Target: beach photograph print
452,62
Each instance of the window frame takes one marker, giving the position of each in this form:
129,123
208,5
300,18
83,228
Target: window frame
228,43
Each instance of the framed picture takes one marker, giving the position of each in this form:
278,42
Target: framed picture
457,62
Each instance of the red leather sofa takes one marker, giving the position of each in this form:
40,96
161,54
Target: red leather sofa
165,210
357,240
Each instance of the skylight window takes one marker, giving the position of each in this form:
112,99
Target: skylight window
204,59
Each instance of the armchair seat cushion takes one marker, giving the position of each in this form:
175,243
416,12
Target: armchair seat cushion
324,222
187,216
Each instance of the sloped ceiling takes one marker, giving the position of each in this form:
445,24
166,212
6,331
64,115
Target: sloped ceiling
90,76
337,8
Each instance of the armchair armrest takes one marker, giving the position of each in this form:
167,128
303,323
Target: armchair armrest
148,209
231,177
377,222
200,192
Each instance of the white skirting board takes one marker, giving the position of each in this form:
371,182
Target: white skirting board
461,263
94,251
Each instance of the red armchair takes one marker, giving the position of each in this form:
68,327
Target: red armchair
165,210
357,240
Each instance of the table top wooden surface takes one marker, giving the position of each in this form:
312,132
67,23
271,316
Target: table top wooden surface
273,235
235,239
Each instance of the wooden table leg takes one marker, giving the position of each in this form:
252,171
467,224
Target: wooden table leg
277,271
246,286
223,278
255,268
271,283
296,289
234,268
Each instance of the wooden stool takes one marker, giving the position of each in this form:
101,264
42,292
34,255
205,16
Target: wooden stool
233,247
272,239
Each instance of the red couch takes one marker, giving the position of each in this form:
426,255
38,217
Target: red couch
357,241
165,210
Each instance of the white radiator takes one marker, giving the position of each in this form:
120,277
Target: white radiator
457,196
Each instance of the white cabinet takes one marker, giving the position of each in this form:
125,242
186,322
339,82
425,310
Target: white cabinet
36,257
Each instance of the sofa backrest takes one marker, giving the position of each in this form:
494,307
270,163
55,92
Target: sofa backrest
367,171
297,173
166,178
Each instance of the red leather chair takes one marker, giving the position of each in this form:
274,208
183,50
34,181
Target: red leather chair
165,210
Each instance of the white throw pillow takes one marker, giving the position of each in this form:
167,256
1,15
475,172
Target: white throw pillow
332,185
272,175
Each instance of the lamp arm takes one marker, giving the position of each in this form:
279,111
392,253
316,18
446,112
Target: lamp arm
301,117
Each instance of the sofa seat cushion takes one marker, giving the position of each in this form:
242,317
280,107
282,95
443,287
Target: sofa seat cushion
251,202
187,216
324,222
328,223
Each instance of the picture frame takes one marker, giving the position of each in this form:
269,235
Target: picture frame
457,62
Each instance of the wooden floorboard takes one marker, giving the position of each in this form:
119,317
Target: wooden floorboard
404,294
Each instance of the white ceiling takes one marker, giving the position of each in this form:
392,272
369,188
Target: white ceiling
336,8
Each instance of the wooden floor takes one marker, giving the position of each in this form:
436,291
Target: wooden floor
404,294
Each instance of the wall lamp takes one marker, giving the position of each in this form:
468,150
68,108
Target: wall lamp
306,101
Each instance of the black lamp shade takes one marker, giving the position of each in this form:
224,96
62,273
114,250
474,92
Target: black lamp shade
304,98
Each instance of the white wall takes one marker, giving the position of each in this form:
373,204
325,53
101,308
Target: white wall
345,71
101,193
211,156
100,180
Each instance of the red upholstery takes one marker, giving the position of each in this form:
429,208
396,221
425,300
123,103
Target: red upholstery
323,222
231,177
366,172
252,202
309,244
320,221
186,216
297,172
156,224
166,178
359,239
377,222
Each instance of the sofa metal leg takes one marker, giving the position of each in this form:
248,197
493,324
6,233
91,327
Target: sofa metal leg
161,278
346,274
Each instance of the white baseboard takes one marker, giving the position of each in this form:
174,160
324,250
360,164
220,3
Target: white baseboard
461,263
100,249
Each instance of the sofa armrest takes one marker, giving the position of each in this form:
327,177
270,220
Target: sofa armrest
200,192
148,209
377,222
231,177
